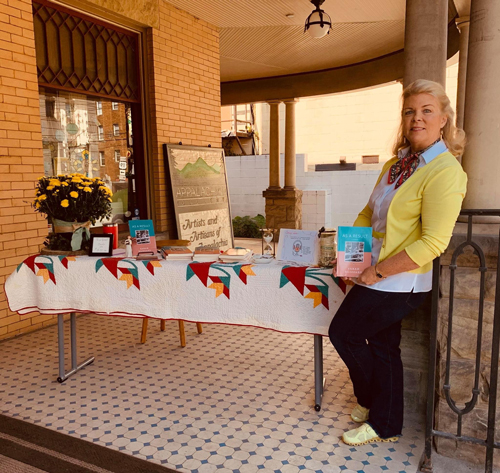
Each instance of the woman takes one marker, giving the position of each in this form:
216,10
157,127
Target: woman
413,209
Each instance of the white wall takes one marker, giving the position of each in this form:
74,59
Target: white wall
351,124
337,199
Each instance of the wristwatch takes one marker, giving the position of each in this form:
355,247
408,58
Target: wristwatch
378,274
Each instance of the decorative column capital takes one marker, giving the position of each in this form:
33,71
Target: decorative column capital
293,100
274,102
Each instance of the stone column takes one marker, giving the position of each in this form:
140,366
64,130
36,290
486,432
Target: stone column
426,35
463,26
290,160
482,103
274,147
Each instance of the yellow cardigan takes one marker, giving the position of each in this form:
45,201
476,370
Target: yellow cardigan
423,212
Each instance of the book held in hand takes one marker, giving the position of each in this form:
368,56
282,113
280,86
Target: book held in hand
354,251
176,253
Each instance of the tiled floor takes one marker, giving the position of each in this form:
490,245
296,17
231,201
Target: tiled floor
236,399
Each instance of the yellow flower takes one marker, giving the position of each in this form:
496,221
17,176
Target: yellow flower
76,179
55,182
37,205
107,190
49,188
42,197
87,189
65,184
110,199
74,194
64,203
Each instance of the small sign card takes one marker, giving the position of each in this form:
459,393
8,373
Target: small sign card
354,251
143,237
299,246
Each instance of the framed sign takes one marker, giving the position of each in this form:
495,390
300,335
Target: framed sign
101,245
201,199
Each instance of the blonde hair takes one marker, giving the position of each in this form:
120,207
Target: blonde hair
453,137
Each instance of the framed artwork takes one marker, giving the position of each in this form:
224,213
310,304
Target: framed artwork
101,245
299,246
201,199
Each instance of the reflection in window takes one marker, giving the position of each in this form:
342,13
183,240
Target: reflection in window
79,133
50,104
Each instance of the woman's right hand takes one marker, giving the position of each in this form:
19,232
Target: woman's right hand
334,264
348,281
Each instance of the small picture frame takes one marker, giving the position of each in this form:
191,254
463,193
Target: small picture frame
101,245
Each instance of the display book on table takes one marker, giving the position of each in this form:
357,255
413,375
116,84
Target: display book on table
206,254
176,253
143,239
354,250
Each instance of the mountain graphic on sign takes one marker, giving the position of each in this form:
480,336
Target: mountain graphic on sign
199,169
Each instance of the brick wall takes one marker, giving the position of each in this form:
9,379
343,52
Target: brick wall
185,89
21,162
183,69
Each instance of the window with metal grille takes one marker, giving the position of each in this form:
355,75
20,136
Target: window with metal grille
77,52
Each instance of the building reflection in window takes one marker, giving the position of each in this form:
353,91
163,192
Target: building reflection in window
88,136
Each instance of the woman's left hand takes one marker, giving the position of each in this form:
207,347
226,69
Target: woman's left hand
368,276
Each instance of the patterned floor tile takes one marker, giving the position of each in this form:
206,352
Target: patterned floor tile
235,399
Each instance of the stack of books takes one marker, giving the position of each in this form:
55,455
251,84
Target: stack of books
233,255
176,253
206,254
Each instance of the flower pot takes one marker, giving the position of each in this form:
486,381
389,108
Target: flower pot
78,229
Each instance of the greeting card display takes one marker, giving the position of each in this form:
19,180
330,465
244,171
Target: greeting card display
354,251
299,246
143,237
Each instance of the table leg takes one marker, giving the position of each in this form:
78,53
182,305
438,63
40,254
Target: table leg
319,380
63,376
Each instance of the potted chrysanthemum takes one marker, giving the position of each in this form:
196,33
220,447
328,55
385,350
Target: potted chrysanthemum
71,203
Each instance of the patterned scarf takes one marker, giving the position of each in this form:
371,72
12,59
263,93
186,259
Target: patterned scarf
405,167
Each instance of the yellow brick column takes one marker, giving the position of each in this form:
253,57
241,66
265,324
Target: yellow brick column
21,159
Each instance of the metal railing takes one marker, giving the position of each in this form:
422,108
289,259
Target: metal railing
489,443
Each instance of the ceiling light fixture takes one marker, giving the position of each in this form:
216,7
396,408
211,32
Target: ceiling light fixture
318,23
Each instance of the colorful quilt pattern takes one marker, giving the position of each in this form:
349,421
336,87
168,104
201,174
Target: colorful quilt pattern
43,265
303,277
218,275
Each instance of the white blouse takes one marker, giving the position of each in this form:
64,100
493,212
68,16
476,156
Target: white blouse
379,202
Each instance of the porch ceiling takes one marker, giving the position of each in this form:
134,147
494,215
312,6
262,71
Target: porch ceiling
257,39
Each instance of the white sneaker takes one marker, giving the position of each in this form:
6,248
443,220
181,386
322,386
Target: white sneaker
363,435
360,414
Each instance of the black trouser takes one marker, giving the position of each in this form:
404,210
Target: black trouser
366,332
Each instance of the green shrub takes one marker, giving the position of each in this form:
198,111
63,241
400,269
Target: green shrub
248,227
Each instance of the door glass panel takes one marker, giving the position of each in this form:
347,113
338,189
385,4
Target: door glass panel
90,136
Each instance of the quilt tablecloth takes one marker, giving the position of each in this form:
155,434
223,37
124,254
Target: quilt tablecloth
278,296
